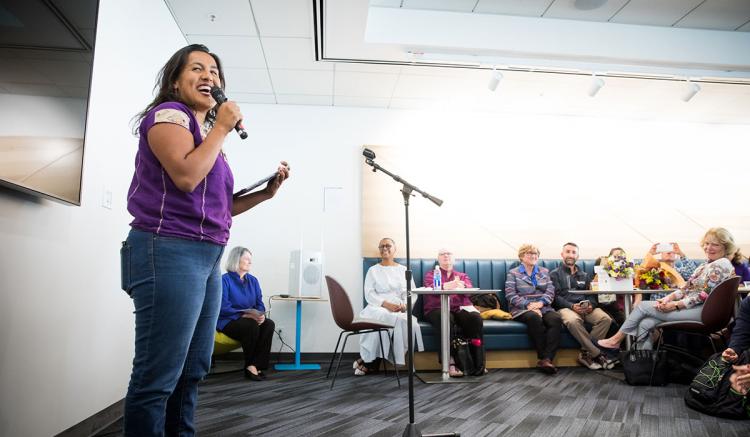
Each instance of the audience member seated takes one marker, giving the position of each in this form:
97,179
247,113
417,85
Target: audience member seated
574,309
462,312
242,315
741,268
739,342
666,263
684,304
385,293
613,305
687,266
530,293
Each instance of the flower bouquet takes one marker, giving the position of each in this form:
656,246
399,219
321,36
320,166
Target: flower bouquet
653,279
619,273
619,266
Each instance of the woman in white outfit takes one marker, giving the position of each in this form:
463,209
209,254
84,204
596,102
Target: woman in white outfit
385,293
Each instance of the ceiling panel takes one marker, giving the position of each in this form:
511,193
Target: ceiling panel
292,53
526,8
283,17
364,84
312,82
253,98
431,87
575,9
366,102
234,51
230,17
291,99
441,5
367,68
718,14
654,12
247,80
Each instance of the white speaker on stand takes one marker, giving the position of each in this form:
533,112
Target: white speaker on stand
306,273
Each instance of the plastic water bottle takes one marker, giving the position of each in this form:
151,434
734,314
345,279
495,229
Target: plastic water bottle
437,280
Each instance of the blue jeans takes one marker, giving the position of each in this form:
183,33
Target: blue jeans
645,317
175,285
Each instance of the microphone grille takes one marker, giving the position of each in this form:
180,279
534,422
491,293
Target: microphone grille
218,95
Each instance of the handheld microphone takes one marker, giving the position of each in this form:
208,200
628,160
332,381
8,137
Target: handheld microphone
218,95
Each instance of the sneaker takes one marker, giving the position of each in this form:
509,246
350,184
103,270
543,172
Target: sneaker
604,362
585,359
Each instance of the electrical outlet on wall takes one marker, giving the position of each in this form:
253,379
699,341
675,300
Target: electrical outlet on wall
107,198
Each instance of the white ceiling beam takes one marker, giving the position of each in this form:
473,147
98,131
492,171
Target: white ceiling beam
550,43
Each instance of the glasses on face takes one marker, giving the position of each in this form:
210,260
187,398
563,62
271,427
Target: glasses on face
385,246
531,254
445,253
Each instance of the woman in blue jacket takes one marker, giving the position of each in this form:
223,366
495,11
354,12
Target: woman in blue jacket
530,293
242,316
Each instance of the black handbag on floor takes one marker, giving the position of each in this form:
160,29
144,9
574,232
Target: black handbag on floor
645,367
462,355
478,357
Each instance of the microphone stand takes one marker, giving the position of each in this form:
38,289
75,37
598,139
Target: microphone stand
412,430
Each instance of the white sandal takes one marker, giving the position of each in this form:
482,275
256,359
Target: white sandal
359,367
454,372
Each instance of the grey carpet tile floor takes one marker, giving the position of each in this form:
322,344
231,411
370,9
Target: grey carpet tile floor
508,402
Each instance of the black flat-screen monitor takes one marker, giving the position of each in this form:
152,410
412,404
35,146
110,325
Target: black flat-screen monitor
46,58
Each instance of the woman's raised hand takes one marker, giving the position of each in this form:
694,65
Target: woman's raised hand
282,174
228,115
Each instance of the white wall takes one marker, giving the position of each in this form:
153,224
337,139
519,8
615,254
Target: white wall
66,330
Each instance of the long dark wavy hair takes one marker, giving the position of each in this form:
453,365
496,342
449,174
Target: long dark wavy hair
169,74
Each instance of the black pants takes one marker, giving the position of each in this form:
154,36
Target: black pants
470,324
544,332
255,339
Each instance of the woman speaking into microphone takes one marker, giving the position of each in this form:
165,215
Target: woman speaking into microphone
182,203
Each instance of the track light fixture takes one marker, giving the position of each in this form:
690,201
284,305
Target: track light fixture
494,80
691,91
596,84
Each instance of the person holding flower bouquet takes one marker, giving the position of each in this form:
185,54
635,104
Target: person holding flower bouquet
654,275
684,304
613,305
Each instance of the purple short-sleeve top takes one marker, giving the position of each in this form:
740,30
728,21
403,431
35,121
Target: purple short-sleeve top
158,206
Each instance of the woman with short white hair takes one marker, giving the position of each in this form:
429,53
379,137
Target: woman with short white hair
243,315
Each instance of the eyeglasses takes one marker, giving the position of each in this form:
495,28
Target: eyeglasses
445,253
385,246
531,254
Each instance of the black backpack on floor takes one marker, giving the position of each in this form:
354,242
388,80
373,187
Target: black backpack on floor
710,391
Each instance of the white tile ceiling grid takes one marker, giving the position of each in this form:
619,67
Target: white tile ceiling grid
268,50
